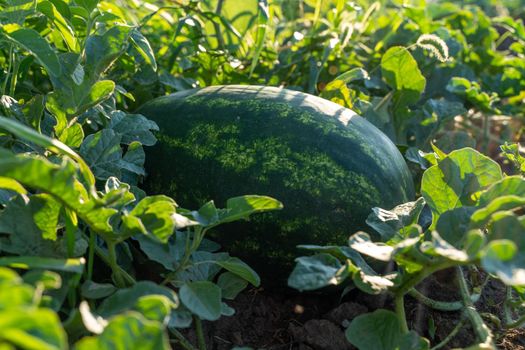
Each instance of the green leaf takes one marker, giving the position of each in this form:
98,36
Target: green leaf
102,152
263,21
380,330
132,164
142,45
155,307
505,254
133,127
129,331
353,75
14,294
54,146
30,40
203,298
337,91
510,185
457,178
93,290
31,262
471,90
440,247
241,269
72,135
314,272
482,216
45,214
231,285
401,72
453,225
89,5
242,207
99,92
362,243
12,185
125,299
369,281
31,226
58,180
389,222
43,279
502,260
36,329
103,50
512,153
163,253
33,111
62,25
152,216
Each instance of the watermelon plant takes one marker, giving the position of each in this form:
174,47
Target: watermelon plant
91,256
475,222
69,163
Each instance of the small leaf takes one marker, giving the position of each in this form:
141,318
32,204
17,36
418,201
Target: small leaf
30,262
30,40
454,181
401,72
128,331
125,299
92,290
231,285
202,298
362,243
133,127
380,330
314,272
65,29
142,45
241,269
32,329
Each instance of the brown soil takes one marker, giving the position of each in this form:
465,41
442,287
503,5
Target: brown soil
288,320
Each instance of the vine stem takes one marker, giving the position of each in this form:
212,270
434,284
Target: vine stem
112,255
482,331
91,254
181,339
188,251
451,334
9,64
217,26
400,312
506,306
200,333
440,305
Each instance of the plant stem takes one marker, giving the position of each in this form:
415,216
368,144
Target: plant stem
400,312
517,323
4,87
91,254
14,75
217,26
112,256
200,333
451,334
483,333
440,305
102,255
181,339
415,279
188,251
506,307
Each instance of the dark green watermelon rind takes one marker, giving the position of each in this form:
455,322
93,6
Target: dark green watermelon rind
260,136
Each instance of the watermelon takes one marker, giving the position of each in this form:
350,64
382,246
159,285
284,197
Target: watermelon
327,165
